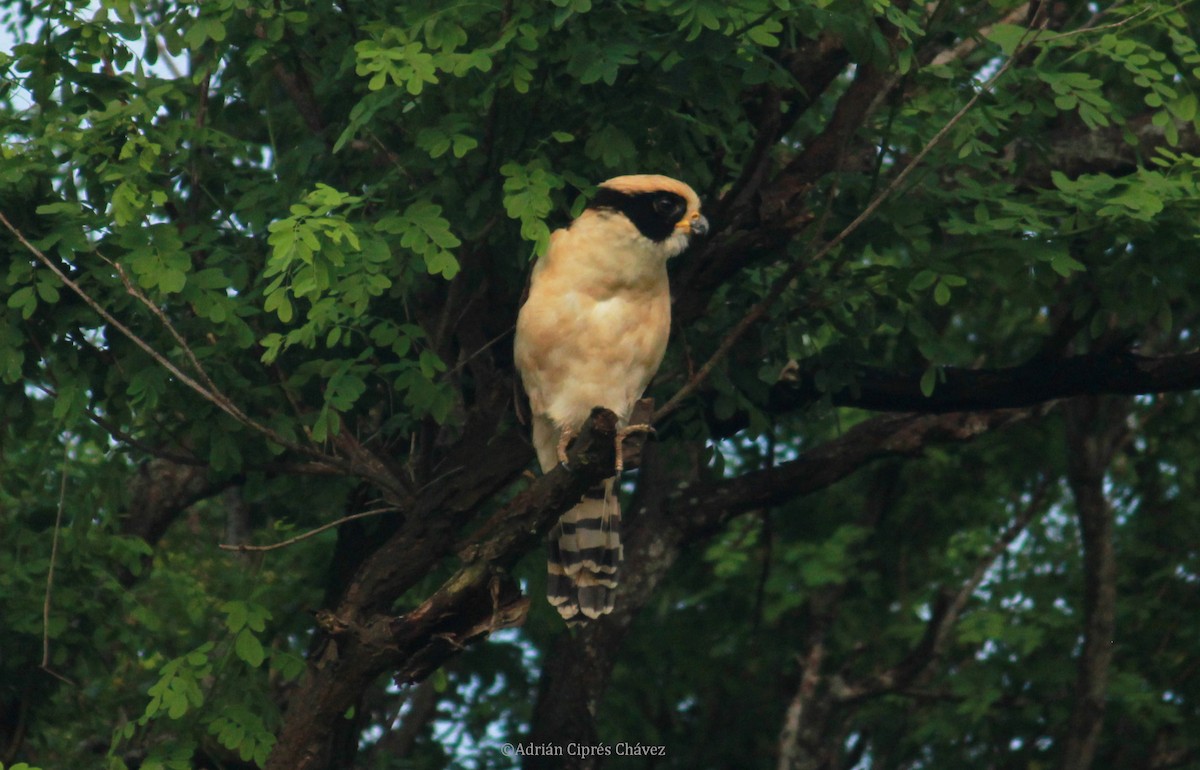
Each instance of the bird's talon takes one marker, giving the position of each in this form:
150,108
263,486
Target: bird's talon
563,440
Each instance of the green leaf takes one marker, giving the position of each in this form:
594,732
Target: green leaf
922,280
610,145
203,29
23,299
248,648
1064,265
766,34
289,666
463,144
235,615
47,291
278,303
527,197
327,424
1007,36
443,263
128,203
1184,108
928,381
62,207
431,364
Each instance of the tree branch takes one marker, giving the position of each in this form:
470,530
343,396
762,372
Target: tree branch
365,639
781,283
245,548
1096,428
921,660
671,510
363,467
1032,383
709,506
62,498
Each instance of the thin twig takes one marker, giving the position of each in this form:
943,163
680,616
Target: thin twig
922,658
125,438
218,400
307,535
215,397
108,317
486,345
140,296
967,45
62,498
1088,28
757,312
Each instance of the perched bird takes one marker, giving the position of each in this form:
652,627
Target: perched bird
593,333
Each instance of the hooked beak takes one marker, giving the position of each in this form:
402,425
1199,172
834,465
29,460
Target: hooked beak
697,225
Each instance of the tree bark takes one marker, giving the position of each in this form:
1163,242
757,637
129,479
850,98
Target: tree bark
577,670
364,639
160,491
1035,382
710,505
671,510
1096,428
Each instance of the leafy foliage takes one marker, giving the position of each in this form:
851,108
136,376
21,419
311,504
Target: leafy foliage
322,217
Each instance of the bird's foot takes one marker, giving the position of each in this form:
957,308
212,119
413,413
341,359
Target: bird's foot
563,440
623,434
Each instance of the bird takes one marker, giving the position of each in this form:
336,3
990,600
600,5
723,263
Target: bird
593,332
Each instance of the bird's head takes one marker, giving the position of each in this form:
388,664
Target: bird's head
664,210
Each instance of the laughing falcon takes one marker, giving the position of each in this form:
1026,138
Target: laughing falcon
593,333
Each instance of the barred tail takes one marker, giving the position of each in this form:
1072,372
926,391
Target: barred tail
585,554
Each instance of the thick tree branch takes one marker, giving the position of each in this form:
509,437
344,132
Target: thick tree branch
365,639
159,492
806,709
1036,382
758,216
823,153
791,753
399,743
672,510
814,66
804,739
1075,149
709,506
799,171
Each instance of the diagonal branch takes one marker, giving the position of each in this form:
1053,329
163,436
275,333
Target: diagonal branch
365,638
921,660
141,297
354,466
756,313
62,498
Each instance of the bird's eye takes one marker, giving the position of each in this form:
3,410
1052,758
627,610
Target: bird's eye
668,206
